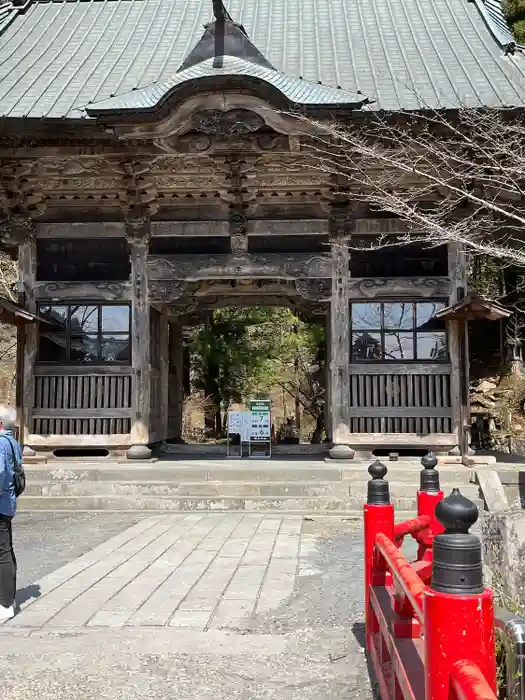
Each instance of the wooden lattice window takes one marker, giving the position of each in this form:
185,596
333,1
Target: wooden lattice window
85,333
397,331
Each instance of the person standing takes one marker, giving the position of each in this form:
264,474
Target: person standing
10,459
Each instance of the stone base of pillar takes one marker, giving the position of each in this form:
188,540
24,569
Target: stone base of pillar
139,452
28,451
341,452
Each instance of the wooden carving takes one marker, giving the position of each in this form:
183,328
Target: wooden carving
225,266
17,229
165,291
314,289
214,122
107,291
138,229
398,287
340,221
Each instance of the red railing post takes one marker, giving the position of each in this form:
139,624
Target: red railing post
378,517
458,610
428,496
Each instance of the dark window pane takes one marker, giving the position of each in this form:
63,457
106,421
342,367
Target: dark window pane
115,319
399,346
84,319
52,348
366,346
85,348
427,310
431,346
399,315
365,316
56,314
116,348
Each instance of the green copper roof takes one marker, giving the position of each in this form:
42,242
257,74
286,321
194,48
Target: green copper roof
60,58
295,90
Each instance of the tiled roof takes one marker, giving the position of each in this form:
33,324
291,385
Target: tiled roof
58,57
294,89
493,11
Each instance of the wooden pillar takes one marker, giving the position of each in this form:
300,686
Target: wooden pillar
328,382
176,382
137,232
459,352
23,230
164,347
339,336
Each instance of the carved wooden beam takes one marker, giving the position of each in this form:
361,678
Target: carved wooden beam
201,267
93,291
16,230
162,291
314,289
81,229
398,287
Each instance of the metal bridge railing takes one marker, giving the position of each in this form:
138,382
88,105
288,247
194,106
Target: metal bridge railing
512,632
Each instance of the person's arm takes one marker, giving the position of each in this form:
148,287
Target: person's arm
3,460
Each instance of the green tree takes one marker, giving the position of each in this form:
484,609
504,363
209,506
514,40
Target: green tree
515,13
238,353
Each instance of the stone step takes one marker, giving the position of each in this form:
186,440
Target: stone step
321,505
224,489
216,471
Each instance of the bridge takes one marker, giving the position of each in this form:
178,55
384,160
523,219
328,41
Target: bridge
430,623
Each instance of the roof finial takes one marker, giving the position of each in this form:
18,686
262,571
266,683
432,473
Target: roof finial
220,12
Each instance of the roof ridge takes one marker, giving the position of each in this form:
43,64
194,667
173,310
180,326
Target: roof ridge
224,37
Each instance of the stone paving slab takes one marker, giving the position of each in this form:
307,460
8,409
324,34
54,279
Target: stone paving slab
194,571
226,606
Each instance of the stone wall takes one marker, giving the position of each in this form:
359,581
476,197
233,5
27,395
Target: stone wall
503,536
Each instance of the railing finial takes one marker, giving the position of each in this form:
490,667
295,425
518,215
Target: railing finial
457,561
429,475
378,492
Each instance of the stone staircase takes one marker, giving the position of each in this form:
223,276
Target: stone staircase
284,486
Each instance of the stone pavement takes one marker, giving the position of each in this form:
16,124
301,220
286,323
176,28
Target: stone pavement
198,605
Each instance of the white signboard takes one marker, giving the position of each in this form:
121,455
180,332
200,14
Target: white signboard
246,426
235,422
261,428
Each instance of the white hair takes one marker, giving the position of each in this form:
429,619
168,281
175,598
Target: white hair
7,417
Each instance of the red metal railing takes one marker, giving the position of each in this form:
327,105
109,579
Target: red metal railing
424,642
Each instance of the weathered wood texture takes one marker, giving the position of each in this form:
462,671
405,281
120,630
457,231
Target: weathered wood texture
176,382
273,266
458,349
164,350
89,291
155,413
400,399
328,379
340,344
81,229
92,404
52,441
140,334
27,267
364,288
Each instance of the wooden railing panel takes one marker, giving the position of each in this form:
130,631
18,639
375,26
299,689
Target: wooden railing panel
83,404
155,415
400,399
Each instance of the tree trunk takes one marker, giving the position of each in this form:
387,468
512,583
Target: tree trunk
298,412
